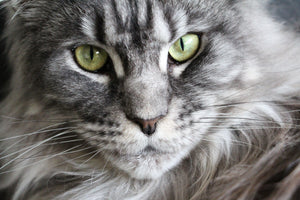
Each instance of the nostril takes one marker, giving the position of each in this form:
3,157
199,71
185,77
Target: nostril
148,127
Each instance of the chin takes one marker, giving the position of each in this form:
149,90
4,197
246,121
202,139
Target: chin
146,166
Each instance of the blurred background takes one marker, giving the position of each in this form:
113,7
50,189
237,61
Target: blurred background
286,11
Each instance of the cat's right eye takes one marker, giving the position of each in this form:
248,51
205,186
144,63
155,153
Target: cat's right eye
185,48
90,58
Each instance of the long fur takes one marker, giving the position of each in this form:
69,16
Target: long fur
251,149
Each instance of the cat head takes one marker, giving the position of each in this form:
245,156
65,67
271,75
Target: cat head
147,81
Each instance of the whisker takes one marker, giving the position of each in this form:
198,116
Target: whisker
95,154
26,135
33,147
43,130
27,145
234,104
47,158
81,156
66,142
21,120
19,143
269,121
245,128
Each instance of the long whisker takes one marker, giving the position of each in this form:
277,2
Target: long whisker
235,104
43,130
94,155
25,120
68,151
33,147
81,156
29,134
45,144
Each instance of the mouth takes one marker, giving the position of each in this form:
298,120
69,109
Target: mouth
148,163
147,151
151,149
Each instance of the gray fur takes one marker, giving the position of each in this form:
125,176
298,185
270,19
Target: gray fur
229,126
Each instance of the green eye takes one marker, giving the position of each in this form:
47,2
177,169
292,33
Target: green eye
90,58
185,48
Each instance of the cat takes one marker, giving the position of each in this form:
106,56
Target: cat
148,100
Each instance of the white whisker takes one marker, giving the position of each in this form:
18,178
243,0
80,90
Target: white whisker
33,147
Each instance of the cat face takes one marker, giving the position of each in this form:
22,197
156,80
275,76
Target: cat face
145,109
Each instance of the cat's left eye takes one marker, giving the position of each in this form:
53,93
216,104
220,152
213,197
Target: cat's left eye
90,58
185,48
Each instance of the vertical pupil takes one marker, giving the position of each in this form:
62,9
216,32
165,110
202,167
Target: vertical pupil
91,53
181,44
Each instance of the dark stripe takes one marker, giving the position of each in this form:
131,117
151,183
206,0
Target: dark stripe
100,24
134,26
120,25
150,22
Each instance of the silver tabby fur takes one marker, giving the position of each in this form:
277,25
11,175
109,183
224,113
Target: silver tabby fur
231,114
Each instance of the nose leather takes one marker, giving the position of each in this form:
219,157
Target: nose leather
148,127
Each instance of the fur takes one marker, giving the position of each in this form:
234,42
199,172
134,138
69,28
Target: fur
230,125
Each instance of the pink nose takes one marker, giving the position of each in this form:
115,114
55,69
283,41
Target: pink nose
148,126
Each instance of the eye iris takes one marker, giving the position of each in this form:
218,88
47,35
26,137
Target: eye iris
90,58
185,48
